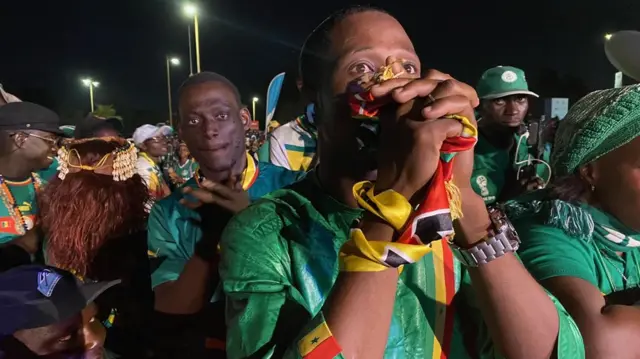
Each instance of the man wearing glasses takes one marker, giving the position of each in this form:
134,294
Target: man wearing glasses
28,145
153,144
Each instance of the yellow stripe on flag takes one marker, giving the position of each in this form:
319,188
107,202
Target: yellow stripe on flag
441,297
312,340
298,161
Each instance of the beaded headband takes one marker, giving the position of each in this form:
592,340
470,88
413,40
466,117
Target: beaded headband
124,157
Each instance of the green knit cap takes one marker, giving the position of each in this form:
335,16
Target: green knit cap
597,124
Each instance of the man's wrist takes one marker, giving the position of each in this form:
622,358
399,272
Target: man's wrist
373,224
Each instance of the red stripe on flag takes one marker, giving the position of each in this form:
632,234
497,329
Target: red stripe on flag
450,285
328,349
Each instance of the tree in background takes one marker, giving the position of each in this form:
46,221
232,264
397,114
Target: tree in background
106,111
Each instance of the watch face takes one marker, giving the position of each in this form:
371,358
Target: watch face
502,224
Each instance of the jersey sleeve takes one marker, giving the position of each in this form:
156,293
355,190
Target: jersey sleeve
166,257
267,317
277,153
549,252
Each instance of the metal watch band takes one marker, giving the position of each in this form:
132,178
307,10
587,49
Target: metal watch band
486,251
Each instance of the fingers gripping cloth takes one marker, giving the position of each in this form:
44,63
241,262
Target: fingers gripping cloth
432,219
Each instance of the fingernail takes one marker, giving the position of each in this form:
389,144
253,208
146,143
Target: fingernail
427,109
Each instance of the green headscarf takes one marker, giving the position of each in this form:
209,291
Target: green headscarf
597,124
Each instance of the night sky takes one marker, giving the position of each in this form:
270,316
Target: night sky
47,46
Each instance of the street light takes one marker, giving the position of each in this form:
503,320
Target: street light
255,99
192,11
608,36
175,62
91,85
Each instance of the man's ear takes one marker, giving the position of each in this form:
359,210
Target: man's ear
19,139
245,117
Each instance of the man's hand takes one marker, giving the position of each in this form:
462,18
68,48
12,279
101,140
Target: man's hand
531,184
174,177
411,140
216,204
230,196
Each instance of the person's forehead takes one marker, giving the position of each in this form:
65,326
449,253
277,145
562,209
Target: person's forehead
361,31
628,152
513,97
207,92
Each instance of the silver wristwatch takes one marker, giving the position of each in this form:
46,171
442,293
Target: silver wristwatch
501,239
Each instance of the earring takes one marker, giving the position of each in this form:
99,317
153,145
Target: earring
593,188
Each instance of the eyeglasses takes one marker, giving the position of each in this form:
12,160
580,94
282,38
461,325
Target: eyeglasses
53,141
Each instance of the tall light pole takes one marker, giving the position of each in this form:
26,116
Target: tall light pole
253,103
91,85
192,11
190,52
170,61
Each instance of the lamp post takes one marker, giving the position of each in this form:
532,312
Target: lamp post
91,85
253,103
192,11
190,52
170,61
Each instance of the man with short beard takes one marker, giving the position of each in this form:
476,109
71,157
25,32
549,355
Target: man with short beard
28,144
357,259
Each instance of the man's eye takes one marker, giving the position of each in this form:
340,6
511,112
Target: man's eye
361,68
499,102
194,121
222,116
410,68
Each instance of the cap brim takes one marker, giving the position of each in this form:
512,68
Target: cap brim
91,291
494,96
164,130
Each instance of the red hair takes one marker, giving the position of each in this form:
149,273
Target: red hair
85,210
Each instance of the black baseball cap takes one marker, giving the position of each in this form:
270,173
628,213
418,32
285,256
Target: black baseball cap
36,296
92,123
28,116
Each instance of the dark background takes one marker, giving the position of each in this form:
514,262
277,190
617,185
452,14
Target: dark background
48,46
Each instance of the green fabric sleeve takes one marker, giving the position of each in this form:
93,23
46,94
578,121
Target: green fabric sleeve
549,252
265,312
163,249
